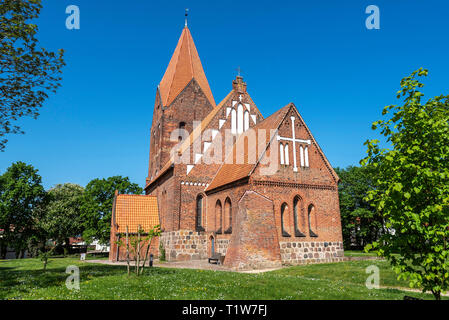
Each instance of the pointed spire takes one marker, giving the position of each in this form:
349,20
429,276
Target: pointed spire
184,66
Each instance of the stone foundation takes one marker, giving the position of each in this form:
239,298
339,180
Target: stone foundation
184,245
221,246
293,253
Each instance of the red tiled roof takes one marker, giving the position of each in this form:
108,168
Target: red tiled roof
184,66
134,210
230,171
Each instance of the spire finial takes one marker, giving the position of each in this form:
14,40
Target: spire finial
238,71
186,14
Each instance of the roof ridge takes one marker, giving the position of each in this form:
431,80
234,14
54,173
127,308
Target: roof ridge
190,53
138,195
175,67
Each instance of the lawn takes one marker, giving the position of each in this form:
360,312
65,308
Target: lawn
25,279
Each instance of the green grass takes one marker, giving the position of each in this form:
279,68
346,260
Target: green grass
358,253
24,279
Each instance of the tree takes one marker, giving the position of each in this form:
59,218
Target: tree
21,193
62,218
138,242
97,205
28,74
361,224
412,186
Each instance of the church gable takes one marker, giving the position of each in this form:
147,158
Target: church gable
294,155
209,146
246,152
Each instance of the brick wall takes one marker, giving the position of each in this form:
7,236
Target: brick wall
121,250
254,242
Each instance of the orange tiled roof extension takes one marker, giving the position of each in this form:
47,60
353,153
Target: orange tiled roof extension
184,66
133,210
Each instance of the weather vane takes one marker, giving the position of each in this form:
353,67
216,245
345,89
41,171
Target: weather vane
238,70
186,14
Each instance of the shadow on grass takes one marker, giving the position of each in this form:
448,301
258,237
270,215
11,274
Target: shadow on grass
14,281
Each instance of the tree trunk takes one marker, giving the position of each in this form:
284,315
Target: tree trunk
67,246
127,248
146,254
3,250
138,252
437,295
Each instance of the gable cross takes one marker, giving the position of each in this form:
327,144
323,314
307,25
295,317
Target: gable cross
294,141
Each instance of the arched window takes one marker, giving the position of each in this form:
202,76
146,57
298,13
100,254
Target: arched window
306,156
240,119
287,162
199,213
246,121
218,217
297,217
228,216
233,121
284,215
312,220
281,152
301,155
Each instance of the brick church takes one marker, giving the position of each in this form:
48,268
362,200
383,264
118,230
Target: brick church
223,179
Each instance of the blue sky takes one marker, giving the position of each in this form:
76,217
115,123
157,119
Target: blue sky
317,54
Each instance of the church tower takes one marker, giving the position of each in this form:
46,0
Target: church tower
182,97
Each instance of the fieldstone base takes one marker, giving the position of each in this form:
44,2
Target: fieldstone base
293,253
184,245
221,246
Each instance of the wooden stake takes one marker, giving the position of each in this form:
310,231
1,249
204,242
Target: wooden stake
127,248
138,252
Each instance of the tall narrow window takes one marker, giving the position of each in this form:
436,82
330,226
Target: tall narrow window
306,156
246,121
281,152
312,220
301,155
182,127
218,217
228,216
297,216
284,214
287,162
233,121
199,213
239,119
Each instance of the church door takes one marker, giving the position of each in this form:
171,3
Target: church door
212,246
